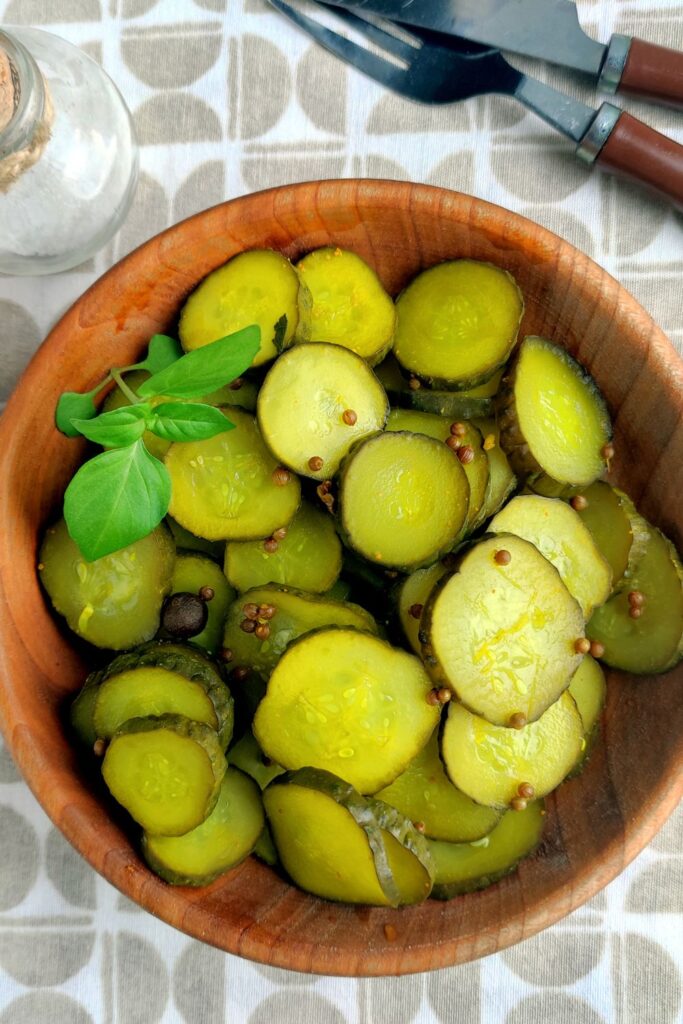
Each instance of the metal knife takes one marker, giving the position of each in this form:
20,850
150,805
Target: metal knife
550,30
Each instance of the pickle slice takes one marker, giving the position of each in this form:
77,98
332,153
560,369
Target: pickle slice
558,533
412,597
589,690
256,287
295,613
308,557
349,703
342,301
250,759
475,464
425,794
404,499
489,762
142,692
501,480
265,848
181,659
615,527
191,574
304,399
115,601
187,541
166,772
465,867
222,841
223,488
457,323
339,846
650,641
501,631
553,419
454,405
81,715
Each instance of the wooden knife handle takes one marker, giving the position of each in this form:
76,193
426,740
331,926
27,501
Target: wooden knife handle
654,72
635,151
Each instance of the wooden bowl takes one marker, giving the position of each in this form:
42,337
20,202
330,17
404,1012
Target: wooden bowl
596,823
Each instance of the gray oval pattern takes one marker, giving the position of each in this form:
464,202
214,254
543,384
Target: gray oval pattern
142,984
43,958
36,1007
19,857
280,1008
70,874
199,981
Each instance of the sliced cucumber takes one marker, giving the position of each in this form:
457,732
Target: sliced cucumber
412,597
166,772
296,613
186,541
646,638
553,418
250,759
404,499
465,867
81,715
257,287
342,301
475,462
191,574
490,763
241,392
309,556
349,703
615,527
501,631
315,403
457,323
114,602
183,660
558,533
142,692
265,848
424,794
332,843
589,690
339,592
222,841
223,488
501,480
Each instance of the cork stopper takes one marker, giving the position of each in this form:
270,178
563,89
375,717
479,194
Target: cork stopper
9,91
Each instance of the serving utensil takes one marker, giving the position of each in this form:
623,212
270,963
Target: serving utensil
549,29
435,68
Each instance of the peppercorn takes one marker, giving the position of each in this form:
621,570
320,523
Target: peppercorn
184,615
579,503
636,598
444,694
206,594
270,545
458,429
349,417
248,626
414,384
502,557
466,454
635,612
266,611
454,443
416,610
518,803
239,674
597,649
280,534
518,720
225,654
315,463
251,610
526,790
433,697
262,631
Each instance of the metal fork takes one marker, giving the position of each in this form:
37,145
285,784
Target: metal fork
434,68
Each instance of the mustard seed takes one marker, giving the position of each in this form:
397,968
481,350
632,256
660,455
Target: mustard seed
262,631
270,545
579,502
350,417
315,463
250,610
636,598
267,611
635,612
281,476
502,557
597,649
415,610
414,384
518,803
99,747
433,698
225,654
526,790
582,645
444,695
518,720
280,534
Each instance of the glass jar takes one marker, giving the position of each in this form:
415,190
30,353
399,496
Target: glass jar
68,154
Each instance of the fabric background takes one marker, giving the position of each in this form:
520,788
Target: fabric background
227,98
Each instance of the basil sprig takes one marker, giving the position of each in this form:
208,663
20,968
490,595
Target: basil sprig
122,494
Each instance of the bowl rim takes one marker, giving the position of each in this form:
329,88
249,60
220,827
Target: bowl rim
125,873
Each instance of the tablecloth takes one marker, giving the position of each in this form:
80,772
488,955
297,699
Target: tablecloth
228,98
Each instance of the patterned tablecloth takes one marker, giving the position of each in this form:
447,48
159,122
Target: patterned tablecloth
227,98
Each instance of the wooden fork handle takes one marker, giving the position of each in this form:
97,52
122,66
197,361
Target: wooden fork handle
643,69
623,145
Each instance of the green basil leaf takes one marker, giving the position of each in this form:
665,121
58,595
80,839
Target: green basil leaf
116,428
206,369
162,351
72,406
279,336
188,421
115,499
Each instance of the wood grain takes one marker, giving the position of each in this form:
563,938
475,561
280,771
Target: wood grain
596,823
